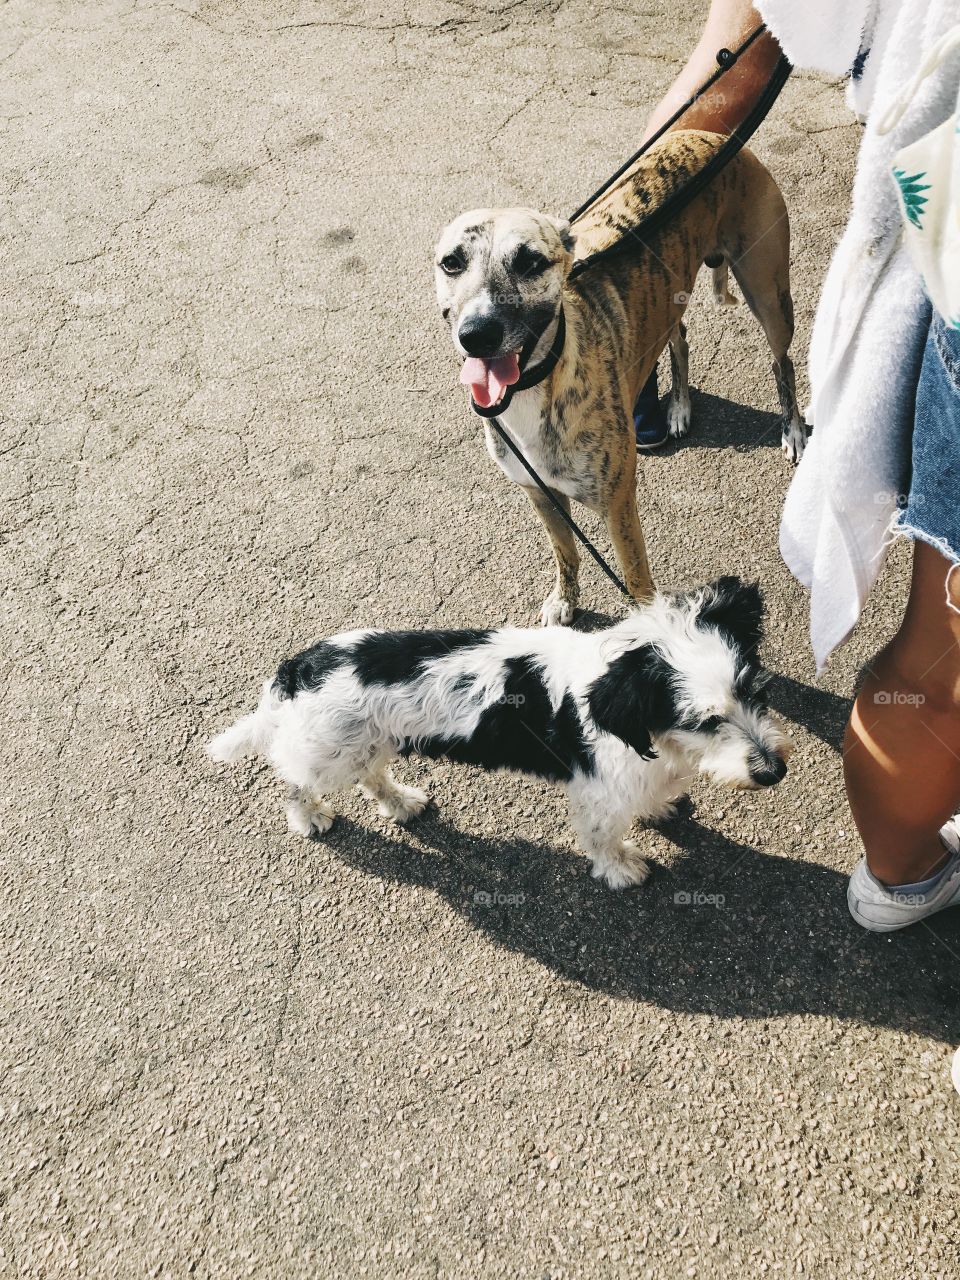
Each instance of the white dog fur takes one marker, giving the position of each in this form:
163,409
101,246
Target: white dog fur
624,718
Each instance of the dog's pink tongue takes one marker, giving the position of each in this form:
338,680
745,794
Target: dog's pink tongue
489,379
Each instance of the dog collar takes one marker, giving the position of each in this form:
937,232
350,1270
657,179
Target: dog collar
529,377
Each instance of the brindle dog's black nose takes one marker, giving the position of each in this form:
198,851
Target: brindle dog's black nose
481,336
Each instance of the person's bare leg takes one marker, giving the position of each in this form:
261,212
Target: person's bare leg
728,24
902,746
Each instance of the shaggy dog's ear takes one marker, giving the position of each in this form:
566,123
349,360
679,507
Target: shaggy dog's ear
737,608
634,698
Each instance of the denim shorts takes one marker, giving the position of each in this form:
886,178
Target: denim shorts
932,511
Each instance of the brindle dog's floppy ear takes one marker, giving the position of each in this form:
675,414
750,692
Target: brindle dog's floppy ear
634,699
735,607
567,237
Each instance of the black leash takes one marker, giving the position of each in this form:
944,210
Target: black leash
560,508
726,60
678,200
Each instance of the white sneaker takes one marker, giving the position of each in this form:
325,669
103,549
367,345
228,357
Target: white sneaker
956,1071
882,910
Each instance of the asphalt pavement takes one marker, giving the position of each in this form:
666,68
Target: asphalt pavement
230,424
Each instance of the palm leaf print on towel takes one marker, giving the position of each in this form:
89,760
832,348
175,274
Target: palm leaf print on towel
910,191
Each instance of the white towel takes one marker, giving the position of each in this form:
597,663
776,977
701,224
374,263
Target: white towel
873,316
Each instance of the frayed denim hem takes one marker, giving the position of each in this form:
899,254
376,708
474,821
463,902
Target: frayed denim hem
900,529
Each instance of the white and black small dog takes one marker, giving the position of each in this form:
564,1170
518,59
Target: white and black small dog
623,717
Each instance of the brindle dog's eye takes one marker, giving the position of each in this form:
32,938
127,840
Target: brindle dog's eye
452,264
710,725
527,262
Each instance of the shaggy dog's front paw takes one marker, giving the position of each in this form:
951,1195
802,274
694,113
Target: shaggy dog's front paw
405,804
556,612
309,822
624,869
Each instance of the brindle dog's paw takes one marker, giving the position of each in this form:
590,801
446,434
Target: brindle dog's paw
794,440
678,418
556,612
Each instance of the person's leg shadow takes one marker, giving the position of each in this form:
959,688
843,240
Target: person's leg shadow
821,713
728,931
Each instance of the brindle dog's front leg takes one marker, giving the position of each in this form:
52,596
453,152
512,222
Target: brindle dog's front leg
559,606
623,525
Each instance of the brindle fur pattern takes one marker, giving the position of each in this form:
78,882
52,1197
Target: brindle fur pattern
576,427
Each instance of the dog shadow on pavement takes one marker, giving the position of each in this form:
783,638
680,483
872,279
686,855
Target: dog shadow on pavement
727,931
717,423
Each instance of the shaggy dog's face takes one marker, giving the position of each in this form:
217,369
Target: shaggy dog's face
733,740
724,726
692,688
499,275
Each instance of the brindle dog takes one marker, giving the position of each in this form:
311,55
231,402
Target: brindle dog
502,280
